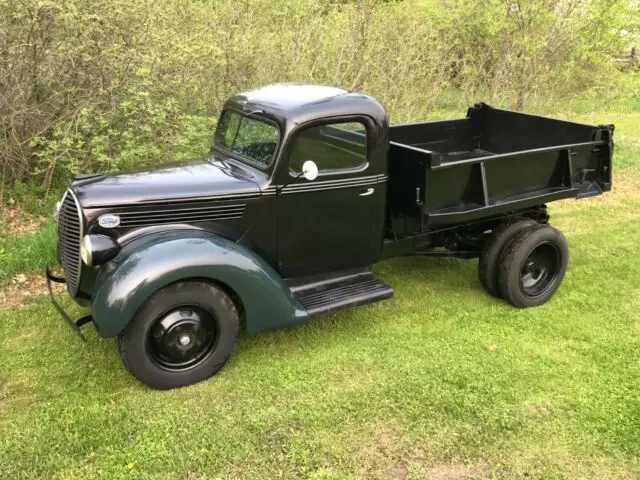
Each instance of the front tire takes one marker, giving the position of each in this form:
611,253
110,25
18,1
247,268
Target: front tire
532,266
183,334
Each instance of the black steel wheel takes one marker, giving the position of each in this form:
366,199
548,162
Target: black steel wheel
532,266
540,269
490,254
182,337
183,334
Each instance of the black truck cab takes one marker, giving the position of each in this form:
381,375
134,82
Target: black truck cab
304,189
336,221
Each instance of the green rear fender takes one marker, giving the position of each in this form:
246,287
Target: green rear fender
154,261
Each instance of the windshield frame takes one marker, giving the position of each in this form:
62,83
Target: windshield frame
258,116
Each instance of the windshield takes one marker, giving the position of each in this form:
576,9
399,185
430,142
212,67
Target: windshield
247,138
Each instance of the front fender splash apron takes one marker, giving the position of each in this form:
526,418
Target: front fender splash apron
151,262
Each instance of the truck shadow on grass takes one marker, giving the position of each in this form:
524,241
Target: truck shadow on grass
412,278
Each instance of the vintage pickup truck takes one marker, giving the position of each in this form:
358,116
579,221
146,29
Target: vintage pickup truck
304,189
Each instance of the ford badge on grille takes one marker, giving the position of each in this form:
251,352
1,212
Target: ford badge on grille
109,221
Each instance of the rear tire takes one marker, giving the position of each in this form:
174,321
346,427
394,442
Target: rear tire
532,266
183,334
490,254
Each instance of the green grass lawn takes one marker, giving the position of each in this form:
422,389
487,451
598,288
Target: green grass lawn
442,381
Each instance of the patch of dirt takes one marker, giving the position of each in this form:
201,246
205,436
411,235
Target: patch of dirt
24,287
4,397
236,470
625,185
537,408
14,393
16,221
391,455
621,186
388,455
458,471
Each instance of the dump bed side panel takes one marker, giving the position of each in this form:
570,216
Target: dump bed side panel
493,162
508,182
505,131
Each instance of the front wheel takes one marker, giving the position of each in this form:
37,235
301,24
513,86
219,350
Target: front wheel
183,334
532,266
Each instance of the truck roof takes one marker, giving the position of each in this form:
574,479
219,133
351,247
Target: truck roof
299,102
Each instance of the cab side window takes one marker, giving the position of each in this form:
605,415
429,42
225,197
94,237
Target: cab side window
334,147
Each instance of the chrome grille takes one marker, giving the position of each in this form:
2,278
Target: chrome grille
198,212
69,236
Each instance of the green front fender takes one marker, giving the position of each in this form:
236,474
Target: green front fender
151,262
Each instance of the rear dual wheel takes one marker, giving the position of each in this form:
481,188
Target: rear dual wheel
524,262
490,254
532,266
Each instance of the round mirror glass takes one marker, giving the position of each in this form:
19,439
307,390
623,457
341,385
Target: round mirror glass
310,170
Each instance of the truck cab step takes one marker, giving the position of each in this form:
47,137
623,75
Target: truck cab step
328,294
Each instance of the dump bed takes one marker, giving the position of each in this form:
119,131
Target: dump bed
491,162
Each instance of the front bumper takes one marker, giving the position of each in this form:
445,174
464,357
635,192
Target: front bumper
74,325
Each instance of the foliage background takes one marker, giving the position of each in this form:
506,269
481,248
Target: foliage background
102,85
442,381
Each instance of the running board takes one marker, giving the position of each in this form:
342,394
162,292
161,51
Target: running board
331,294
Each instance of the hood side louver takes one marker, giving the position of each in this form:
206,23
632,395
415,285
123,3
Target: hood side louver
161,214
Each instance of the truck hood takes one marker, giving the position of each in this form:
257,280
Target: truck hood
192,180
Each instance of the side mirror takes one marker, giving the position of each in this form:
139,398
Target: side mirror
309,170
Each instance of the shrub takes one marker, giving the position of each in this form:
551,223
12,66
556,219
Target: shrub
111,84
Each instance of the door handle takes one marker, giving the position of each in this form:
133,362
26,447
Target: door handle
367,192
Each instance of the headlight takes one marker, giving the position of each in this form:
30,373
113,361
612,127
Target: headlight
85,251
98,249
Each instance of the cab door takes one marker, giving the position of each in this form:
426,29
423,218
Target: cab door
335,221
